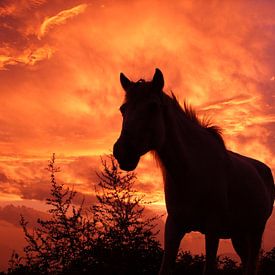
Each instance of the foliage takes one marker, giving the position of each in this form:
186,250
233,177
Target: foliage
227,266
189,264
128,238
56,243
267,263
115,239
194,264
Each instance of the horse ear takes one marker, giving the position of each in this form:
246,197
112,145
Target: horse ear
158,80
125,82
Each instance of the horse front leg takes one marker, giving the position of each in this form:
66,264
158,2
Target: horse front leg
172,238
211,247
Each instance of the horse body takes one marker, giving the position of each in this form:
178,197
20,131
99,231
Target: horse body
207,188
194,175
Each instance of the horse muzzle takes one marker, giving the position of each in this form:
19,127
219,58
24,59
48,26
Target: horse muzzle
126,158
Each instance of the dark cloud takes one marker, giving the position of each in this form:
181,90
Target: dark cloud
12,214
3,177
29,179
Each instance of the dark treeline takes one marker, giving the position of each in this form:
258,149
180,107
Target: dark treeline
110,237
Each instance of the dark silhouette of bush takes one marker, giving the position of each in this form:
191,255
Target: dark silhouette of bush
189,264
113,237
128,239
56,243
227,266
267,263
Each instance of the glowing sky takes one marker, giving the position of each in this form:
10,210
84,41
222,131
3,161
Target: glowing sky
59,74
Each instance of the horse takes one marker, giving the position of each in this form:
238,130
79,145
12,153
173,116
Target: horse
220,193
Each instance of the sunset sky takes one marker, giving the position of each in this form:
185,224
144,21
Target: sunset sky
60,92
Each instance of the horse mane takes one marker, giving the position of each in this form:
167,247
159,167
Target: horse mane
189,112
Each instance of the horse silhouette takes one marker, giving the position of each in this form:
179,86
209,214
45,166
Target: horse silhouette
208,188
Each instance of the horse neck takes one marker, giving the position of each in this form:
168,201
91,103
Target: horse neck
187,146
173,155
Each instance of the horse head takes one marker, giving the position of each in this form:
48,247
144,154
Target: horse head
143,122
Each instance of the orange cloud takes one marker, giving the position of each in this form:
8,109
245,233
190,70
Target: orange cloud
60,18
28,57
